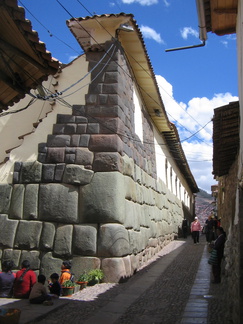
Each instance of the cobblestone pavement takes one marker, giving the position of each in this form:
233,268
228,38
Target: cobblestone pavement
162,302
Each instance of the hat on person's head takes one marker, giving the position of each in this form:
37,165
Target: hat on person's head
196,217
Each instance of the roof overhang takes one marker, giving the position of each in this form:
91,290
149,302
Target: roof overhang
220,16
93,31
226,122
24,61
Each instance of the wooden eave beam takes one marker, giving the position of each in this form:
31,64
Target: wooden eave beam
8,81
223,11
222,32
6,46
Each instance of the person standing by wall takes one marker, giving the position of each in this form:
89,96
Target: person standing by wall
195,229
219,247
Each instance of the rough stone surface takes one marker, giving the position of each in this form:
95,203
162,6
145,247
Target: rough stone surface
55,155
114,269
108,205
14,255
47,236
7,231
31,172
5,198
108,162
63,241
105,143
81,264
16,207
49,265
31,201
58,203
113,241
76,174
28,235
58,140
48,172
84,156
32,257
85,240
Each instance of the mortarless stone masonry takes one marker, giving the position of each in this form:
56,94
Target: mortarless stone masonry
93,195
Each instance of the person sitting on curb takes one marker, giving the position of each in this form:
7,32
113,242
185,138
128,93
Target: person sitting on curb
24,281
38,294
7,279
54,286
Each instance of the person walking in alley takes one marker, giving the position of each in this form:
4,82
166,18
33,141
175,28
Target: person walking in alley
195,229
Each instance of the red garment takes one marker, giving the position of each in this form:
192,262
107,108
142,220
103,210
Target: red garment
22,289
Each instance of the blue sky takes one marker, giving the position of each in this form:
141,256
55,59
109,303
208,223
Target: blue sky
192,82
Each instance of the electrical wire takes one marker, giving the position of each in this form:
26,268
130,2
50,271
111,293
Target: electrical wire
61,101
51,34
18,110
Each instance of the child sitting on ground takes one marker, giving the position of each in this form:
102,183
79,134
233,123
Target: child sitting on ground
54,286
38,294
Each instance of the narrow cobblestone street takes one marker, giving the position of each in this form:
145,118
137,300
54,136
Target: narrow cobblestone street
162,301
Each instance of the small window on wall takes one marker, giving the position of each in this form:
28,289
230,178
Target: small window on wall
138,118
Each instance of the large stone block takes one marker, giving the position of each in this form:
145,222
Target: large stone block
55,155
14,255
113,241
131,217
58,140
114,269
49,265
48,172
7,231
5,198
135,241
31,201
128,166
58,203
131,189
105,143
103,200
65,119
28,235
31,172
84,156
33,257
47,236
76,174
81,264
17,201
63,241
85,239
108,161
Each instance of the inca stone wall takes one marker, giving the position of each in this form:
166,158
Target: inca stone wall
92,196
226,210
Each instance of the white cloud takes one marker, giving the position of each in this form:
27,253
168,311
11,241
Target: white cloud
193,115
141,2
186,31
151,33
72,57
167,4
225,43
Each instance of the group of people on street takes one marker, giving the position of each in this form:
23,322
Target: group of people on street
215,237
24,284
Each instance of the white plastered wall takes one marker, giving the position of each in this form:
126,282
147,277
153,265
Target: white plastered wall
15,125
